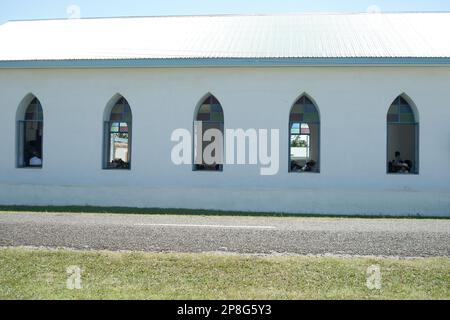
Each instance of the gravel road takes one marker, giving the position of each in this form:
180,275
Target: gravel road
249,235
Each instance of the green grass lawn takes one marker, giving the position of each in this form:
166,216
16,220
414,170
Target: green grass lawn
41,274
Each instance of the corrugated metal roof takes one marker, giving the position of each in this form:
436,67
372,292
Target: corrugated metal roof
297,36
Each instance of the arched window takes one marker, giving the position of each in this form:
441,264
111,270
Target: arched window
30,133
117,139
402,138
208,135
304,137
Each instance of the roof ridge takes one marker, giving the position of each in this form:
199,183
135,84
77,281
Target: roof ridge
236,15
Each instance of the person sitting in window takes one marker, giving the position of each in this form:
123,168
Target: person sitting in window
309,166
119,164
295,166
398,165
35,161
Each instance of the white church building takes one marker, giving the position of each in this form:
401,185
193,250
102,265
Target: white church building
304,113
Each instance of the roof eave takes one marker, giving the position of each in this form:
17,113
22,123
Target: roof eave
223,62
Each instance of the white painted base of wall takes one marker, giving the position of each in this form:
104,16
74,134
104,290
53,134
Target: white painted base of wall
300,201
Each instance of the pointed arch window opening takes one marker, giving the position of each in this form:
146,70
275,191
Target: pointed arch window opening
209,116
117,137
401,112
30,131
304,137
402,138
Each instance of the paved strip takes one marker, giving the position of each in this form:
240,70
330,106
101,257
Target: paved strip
248,235
203,226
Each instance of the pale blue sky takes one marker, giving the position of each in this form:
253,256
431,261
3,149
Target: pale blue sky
45,9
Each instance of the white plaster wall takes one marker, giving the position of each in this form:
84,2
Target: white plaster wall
353,102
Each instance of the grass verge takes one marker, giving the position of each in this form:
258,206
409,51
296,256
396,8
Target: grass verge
42,274
199,212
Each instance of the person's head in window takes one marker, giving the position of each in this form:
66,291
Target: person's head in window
35,160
